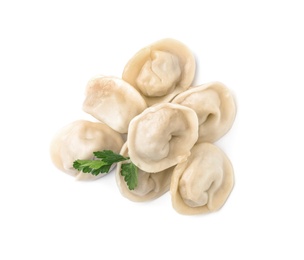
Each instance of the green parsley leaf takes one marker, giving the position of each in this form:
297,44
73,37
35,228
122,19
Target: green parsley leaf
109,156
94,167
130,173
103,164
94,164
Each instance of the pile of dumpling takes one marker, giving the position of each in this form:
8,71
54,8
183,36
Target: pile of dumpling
166,126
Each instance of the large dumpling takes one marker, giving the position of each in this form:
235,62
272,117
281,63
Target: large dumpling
162,136
78,140
161,70
113,101
150,185
215,108
203,183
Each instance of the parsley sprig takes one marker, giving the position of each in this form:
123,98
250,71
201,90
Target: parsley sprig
106,159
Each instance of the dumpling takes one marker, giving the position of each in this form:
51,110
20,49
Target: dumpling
214,106
203,183
161,70
113,101
150,185
78,140
162,136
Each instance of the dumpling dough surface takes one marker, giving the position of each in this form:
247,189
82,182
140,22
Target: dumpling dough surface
203,183
214,106
78,140
113,101
161,70
150,185
162,136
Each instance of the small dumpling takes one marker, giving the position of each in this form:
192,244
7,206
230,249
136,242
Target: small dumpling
214,106
150,185
203,183
113,101
161,70
78,140
162,136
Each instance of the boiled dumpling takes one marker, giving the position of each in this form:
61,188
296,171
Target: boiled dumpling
203,183
150,185
162,136
78,140
113,101
215,108
161,70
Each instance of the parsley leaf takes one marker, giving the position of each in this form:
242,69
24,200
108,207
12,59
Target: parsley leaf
94,167
130,173
106,159
109,156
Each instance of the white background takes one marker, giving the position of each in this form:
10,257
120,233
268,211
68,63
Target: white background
50,49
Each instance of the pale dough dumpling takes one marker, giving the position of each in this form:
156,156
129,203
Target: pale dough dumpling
203,183
215,108
162,136
78,140
161,70
113,101
150,185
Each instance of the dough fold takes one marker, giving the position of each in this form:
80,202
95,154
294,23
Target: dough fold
214,106
113,101
162,136
161,70
203,183
78,140
150,185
